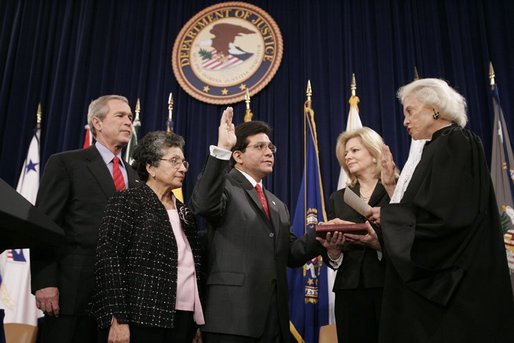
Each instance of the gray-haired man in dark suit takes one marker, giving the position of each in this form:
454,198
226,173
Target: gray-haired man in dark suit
74,191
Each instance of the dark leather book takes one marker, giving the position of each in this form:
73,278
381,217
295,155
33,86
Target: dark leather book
356,229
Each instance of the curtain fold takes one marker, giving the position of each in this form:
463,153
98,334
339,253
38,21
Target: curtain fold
66,53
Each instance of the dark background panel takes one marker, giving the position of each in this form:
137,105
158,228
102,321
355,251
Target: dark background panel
66,53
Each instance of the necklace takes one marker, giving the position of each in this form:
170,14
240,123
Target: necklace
365,197
369,186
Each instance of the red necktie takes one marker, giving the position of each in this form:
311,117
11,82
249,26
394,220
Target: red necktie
262,199
119,182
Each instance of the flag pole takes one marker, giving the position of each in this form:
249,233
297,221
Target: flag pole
249,114
138,109
39,116
308,92
169,125
492,81
137,121
502,164
354,105
307,112
135,131
88,137
353,123
308,104
353,85
169,129
309,285
416,75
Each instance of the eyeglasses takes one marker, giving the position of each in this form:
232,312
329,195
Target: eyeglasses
177,162
263,145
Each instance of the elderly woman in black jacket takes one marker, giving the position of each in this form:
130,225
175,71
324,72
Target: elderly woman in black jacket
148,253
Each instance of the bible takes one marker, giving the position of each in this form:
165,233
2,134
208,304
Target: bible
356,229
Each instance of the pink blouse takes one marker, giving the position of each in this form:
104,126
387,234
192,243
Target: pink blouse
187,298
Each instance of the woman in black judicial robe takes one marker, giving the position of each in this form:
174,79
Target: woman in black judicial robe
360,276
447,276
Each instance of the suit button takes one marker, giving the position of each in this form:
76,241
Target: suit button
271,235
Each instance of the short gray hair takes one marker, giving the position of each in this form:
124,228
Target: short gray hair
150,150
436,93
99,108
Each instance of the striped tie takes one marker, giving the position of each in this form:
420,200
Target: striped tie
119,182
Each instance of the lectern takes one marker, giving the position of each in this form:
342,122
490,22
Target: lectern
22,225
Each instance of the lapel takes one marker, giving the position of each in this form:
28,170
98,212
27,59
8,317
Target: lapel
98,169
254,198
133,179
273,209
377,195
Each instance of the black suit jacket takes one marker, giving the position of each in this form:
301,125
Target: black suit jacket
73,192
361,266
247,254
137,260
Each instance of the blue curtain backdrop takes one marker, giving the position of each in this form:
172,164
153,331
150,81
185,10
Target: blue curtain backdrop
66,53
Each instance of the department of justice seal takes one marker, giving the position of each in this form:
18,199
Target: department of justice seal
224,50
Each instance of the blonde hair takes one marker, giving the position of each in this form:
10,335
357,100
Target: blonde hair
436,93
371,141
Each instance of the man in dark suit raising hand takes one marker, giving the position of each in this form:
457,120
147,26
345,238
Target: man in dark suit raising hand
73,192
249,240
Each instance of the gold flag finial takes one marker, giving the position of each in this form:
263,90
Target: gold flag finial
138,109
39,116
308,111
353,85
247,99
416,75
248,114
491,74
354,99
308,92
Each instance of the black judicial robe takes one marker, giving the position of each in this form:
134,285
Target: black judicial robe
446,276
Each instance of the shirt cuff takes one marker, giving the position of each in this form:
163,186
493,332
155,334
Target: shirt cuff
220,153
337,262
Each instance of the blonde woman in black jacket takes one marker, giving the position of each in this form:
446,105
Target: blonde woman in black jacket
360,268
